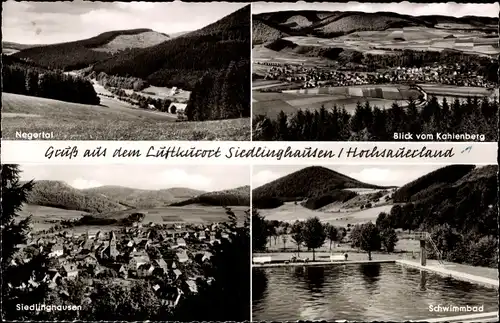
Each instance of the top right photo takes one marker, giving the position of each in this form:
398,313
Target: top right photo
375,71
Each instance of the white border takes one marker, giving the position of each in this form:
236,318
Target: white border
35,152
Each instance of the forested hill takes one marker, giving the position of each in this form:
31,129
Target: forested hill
308,182
82,53
458,205
239,196
183,60
335,23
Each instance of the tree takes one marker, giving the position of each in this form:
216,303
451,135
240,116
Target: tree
383,221
314,234
366,237
15,233
227,298
284,238
259,231
297,234
389,239
332,234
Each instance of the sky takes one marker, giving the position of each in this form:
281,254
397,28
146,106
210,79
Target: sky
390,175
149,177
414,9
55,22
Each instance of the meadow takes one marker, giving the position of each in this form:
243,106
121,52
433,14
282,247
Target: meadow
412,38
111,120
290,212
43,218
271,104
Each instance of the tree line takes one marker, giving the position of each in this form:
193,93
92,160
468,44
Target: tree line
313,234
370,123
227,298
461,217
55,85
484,66
223,94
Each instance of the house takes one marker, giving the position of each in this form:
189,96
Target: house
88,259
70,271
53,278
162,266
206,256
56,250
183,256
173,91
202,235
181,242
193,287
122,271
138,260
145,270
177,273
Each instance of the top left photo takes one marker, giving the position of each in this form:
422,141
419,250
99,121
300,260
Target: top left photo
86,70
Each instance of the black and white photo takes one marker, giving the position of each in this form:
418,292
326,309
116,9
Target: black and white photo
384,243
125,243
91,70
375,71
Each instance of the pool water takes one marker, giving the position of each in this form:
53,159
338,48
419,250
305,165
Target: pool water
366,292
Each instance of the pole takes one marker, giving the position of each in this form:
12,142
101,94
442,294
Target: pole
423,253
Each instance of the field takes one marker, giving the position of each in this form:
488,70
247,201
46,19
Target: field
290,212
44,218
112,120
272,103
140,40
156,92
413,38
186,214
458,91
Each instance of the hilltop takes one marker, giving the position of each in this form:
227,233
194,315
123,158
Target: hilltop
60,195
335,23
183,60
262,32
83,53
104,199
10,48
319,185
144,198
158,58
239,196
447,189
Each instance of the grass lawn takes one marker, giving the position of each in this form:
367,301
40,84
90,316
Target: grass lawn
112,120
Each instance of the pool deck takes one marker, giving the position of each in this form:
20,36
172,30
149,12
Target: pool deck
476,317
321,263
442,270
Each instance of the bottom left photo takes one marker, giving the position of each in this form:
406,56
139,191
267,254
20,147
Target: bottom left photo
125,243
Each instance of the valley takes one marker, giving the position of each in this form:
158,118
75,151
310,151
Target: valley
304,61
145,79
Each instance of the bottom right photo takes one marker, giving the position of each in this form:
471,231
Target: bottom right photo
375,243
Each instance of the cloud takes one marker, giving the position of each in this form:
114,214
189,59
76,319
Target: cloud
70,21
387,176
263,177
414,9
81,183
176,177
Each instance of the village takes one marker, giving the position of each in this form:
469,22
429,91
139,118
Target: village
310,77
172,257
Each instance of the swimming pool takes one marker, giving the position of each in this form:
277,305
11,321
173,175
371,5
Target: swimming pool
366,292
